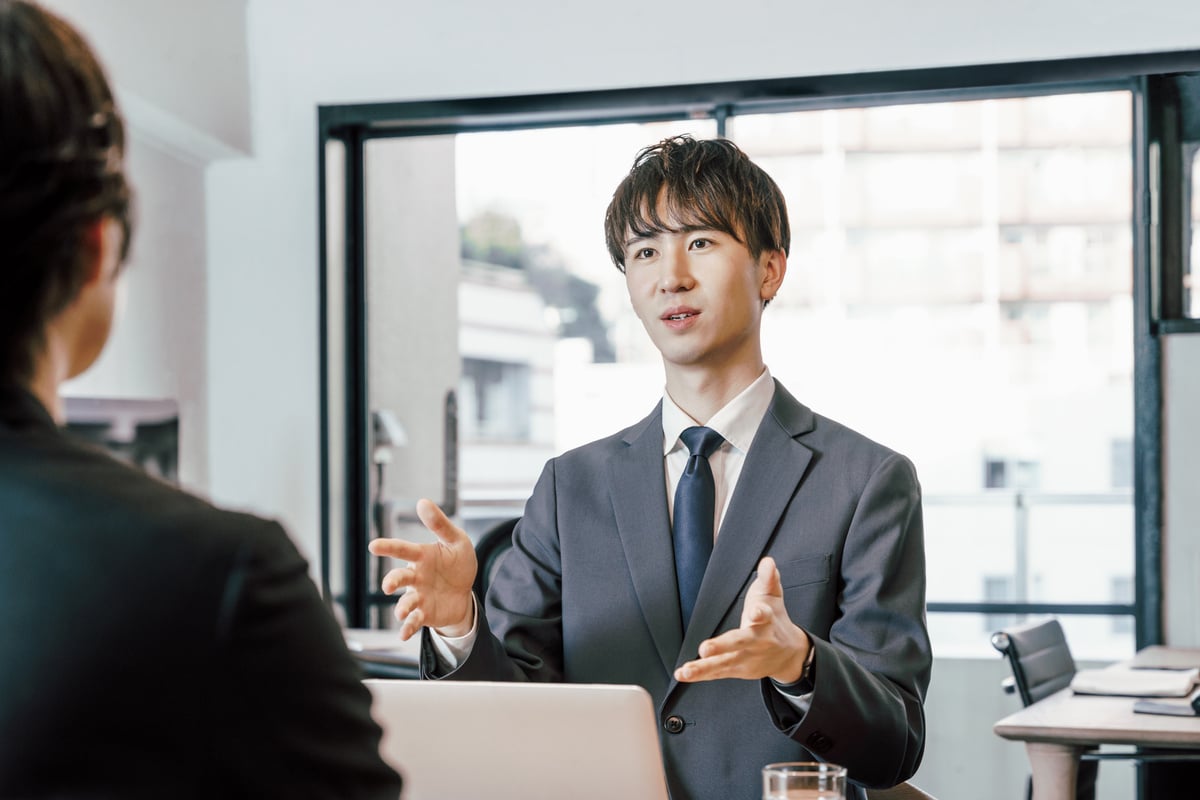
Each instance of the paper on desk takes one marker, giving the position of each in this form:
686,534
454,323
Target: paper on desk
1127,682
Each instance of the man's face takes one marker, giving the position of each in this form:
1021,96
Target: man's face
699,293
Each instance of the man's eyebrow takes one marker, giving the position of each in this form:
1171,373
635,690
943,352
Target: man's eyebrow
698,227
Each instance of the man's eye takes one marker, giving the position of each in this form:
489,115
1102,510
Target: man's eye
700,244
645,252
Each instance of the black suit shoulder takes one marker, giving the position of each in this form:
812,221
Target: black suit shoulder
136,617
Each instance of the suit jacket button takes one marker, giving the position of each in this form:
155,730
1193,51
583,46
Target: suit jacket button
818,742
674,724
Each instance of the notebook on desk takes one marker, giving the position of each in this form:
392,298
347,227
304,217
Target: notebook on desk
465,740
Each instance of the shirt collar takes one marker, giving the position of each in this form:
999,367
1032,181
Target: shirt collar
737,421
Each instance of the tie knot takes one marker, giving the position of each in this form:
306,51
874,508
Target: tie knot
701,441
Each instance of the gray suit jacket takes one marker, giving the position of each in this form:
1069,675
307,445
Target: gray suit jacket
588,595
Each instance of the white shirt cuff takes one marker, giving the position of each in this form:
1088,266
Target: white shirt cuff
452,651
801,702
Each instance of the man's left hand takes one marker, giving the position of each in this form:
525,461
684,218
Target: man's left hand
767,644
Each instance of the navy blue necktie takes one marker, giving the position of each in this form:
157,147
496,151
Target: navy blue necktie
695,506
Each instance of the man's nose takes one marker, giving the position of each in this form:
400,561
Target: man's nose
676,271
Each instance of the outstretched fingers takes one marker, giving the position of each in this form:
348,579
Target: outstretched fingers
395,548
398,578
433,518
411,618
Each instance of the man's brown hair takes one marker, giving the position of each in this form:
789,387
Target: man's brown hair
62,148
708,183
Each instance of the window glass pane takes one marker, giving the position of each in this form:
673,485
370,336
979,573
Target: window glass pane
966,268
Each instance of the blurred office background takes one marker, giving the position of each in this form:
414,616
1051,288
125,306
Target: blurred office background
961,284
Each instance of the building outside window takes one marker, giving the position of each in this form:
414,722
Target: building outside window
494,397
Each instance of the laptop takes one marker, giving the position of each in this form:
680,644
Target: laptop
468,740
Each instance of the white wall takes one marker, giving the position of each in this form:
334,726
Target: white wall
180,68
1181,508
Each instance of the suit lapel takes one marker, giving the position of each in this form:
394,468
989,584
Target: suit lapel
638,492
773,469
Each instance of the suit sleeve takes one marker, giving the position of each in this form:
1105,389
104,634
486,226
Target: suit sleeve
296,710
871,675
520,630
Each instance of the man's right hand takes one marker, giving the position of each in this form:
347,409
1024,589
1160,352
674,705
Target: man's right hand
437,579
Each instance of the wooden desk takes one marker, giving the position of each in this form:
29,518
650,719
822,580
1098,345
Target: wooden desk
1056,731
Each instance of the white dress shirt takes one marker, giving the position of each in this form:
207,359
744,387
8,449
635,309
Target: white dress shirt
737,421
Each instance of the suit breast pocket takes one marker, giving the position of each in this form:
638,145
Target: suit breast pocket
794,574
806,593
804,571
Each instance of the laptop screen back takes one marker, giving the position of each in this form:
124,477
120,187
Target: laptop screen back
463,740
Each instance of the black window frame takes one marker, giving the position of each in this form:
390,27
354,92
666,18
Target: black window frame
1157,163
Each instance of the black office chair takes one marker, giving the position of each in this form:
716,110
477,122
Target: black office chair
1039,657
489,550
1041,665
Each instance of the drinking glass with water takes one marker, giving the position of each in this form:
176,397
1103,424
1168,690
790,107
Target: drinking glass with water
804,780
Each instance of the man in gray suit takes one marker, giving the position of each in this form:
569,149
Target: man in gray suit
804,637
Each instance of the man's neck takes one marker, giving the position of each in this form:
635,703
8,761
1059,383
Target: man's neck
48,374
702,393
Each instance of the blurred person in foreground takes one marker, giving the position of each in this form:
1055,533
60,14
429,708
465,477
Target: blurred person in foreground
151,645
757,567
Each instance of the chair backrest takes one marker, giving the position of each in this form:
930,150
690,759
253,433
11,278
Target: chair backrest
905,791
1039,656
493,545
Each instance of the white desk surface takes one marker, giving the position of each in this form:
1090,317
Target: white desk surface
1070,718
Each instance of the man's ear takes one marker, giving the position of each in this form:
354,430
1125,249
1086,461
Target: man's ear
100,249
774,268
